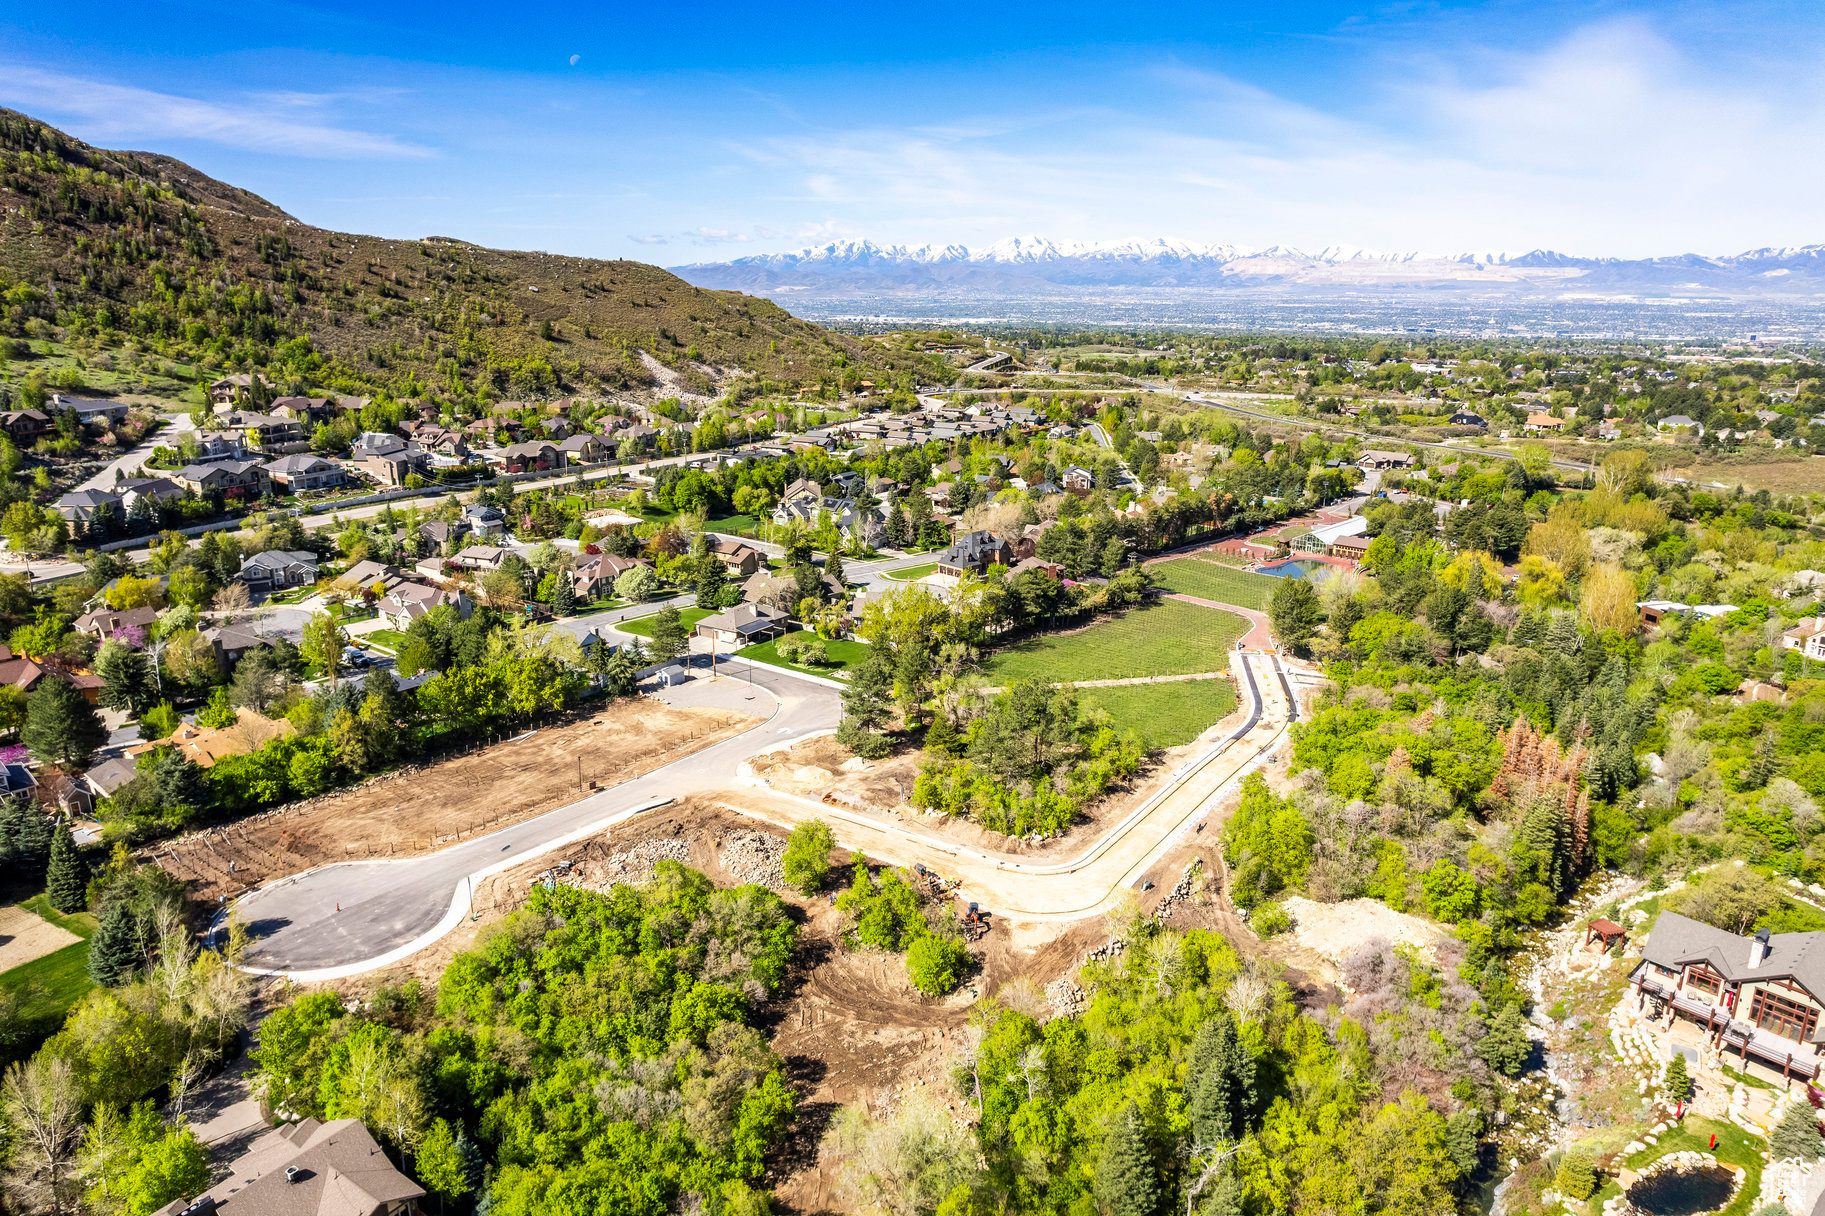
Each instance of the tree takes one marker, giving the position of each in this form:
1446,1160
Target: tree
219,714
440,1163
1577,1175
935,964
806,863
42,1105
1678,1080
140,1166
563,596
322,644
833,567
1506,1046
1127,1183
114,951
66,878
126,677
60,726
1219,1082
1295,612
867,701
636,585
668,634
1796,1135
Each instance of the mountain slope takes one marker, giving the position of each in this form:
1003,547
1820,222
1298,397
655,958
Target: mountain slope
1036,264
147,246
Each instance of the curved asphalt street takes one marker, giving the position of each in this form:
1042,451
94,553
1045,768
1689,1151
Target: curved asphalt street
387,906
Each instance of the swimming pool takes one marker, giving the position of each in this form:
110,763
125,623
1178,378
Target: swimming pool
1299,567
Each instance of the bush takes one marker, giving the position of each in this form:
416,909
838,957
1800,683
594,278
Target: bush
1577,1176
936,964
1269,920
806,863
1796,1135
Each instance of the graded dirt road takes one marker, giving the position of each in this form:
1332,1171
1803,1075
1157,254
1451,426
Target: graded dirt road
349,918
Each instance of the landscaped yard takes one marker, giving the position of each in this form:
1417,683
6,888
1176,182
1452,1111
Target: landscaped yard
1693,1135
1209,581
1167,639
387,639
913,573
47,987
842,654
1164,715
644,626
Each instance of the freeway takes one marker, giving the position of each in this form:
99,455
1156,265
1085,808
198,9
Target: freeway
348,918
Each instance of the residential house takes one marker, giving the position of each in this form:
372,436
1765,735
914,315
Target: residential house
205,745
1466,418
104,778
81,508
1681,422
443,533
1654,611
535,455
212,446
18,670
92,412
1540,424
230,389
1760,995
1077,479
305,411
267,433
975,552
302,471
388,459
1807,637
484,520
309,1169
365,575
802,489
743,625
738,559
407,602
584,449
277,569
1353,548
232,479
25,427
104,623
230,642
593,577
1376,459
154,489
481,557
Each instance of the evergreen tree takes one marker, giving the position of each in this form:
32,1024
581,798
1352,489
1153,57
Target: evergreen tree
1796,1135
126,677
833,567
668,634
1127,1183
1678,1079
114,950
867,701
1220,1082
563,598
942,738
66,878
896,526
25,835
177,781
620,675
1505,1046
60,727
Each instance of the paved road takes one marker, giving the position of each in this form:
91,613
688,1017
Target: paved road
389,905
130,463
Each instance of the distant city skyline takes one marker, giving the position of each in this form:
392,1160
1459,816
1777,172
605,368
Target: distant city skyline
1592,129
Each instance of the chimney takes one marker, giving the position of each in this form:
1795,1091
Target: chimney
1758,949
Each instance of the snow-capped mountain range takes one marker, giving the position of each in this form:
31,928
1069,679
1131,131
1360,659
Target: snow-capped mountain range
1029,264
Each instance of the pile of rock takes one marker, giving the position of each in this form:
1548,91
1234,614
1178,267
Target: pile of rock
1108,949
1065,998
1178,895
754,857
635,866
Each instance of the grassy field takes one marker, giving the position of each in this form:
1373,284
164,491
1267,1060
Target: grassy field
1209,581
1803,476
386,639
1165,715
1168,639
644,626
913,572
47,987
842,655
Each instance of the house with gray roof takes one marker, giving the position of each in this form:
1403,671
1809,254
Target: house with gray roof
309,1169
1759,995
277,569
302,471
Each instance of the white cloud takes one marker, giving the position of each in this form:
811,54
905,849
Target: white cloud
110,114
1610,142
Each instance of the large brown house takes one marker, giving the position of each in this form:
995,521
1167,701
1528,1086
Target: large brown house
1760,995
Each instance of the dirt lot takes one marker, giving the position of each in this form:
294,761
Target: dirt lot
421,809
25,936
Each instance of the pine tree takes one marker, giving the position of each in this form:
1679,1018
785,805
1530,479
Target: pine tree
668,633
833,567
1127,1184
126,677
563,598
942,738
66,878
1505,1046
1219,1083
1796,1135
1678,1081
115,948
619,676
896,527
60,727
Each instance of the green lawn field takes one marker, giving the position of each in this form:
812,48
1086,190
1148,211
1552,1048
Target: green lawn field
912,573
47,987
1164,715
644,626
385,639
1209,581
842,655
1167,639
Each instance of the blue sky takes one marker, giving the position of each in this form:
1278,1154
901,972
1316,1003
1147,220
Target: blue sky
674,133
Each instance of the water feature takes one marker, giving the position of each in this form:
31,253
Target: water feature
1683,1192
1299,567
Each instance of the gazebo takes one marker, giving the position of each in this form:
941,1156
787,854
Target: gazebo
1606,931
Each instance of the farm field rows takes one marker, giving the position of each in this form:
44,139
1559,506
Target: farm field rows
1209,581
1165,715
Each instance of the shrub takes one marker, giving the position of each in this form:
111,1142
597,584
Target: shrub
806,863
1577,1176
936,964
1269,920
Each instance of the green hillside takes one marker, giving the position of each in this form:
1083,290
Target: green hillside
139,250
